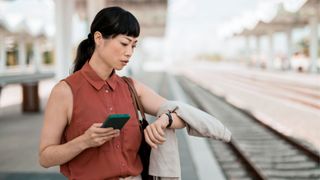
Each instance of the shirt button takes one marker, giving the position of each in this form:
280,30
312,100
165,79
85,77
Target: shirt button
117,146
111,109
122,164
107,91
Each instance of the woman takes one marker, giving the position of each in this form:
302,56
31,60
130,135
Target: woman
71,135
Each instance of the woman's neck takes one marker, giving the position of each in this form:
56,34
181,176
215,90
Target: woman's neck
100,68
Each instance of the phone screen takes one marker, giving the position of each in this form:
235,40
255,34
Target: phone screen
116,121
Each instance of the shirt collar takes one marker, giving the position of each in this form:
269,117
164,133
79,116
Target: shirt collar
97,82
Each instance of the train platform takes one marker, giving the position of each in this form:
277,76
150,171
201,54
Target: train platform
20,135
287,101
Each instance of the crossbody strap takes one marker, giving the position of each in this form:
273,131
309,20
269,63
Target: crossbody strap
135,97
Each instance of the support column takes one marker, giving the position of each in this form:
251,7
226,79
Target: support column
30,97
289,48
258,51
3,53
63,48
271,51
22,54
37,55
93,7
313,50
247,48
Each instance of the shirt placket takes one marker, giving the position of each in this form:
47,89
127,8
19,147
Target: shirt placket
107,91
116,141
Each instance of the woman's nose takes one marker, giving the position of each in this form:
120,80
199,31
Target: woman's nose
129,52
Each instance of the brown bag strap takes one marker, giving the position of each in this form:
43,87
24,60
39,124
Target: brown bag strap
135,97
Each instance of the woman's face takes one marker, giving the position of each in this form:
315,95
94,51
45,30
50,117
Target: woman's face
116,52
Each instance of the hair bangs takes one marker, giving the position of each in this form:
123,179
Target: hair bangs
128,25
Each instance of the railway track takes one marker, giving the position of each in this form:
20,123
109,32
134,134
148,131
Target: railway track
256,151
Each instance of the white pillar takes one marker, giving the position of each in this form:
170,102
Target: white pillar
271,51
3,53
247,48
258,51
63,48
22,54
289,47
37,55
313,50
93,7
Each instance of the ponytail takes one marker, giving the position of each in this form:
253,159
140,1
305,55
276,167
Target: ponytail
84,53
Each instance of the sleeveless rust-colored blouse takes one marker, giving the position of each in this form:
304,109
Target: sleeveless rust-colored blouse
93,100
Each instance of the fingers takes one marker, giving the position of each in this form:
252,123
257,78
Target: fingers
97,125
98,140
104,136
96,128
151,136
96,136
111,133
97,131
146,136
154,135
160,131
102,140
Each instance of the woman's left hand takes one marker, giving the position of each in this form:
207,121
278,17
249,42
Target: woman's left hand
154,133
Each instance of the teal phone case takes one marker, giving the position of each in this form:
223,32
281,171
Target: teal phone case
116,121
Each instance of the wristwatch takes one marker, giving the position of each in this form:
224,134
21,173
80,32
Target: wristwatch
170,119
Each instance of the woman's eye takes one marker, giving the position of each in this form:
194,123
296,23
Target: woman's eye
134,46
124,44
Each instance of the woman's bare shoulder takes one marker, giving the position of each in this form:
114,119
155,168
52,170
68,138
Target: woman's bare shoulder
61,90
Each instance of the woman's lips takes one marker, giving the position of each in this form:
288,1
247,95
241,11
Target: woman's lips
124,62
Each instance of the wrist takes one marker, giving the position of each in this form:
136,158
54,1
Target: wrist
82,142
164,120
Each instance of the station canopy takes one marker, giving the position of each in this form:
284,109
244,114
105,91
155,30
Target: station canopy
271,16
33,17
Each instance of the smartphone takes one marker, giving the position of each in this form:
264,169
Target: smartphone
116,121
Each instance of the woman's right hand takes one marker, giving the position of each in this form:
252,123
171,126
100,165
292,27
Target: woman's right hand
96,136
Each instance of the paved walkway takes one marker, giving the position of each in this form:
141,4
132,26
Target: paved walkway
19,137
288,101
19,146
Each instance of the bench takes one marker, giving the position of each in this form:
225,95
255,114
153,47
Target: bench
29,82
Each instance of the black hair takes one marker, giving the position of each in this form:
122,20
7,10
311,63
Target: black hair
110,22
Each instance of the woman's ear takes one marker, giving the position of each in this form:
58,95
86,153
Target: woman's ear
97,38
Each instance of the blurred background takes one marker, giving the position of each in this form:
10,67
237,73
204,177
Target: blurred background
253,64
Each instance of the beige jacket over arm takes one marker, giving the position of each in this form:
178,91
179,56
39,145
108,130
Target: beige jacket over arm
164,161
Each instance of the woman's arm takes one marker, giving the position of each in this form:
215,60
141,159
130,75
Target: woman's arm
151,101
57,113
